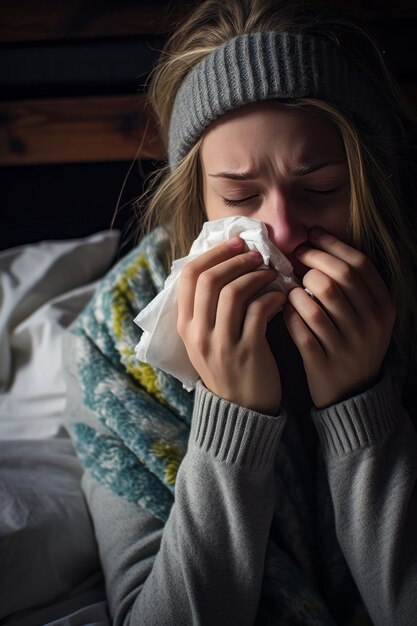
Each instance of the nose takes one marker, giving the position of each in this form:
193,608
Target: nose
286,228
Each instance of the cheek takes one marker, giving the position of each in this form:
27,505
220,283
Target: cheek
214,212
342,225
212,205
338,225
337,220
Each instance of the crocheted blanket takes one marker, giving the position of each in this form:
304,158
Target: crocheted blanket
136,444
144,414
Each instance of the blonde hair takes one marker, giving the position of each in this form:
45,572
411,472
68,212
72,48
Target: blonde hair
381,222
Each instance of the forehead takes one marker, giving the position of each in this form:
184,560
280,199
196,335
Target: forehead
269,129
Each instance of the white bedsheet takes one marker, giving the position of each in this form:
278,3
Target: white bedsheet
42,289
47,543
48,552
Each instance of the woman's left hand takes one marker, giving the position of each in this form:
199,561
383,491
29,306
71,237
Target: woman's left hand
342,340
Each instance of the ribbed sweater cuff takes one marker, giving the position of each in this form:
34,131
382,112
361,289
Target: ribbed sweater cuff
234,434
358,422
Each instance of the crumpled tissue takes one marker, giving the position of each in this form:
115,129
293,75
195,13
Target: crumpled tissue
160,344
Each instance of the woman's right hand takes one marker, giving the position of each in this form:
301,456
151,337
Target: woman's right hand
223,310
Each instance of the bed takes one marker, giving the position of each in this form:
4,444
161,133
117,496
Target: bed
49,267
75,144
48,272
50,567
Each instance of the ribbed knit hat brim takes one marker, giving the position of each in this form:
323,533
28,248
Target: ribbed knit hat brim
265,66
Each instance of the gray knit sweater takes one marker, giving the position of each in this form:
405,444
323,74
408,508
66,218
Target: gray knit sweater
205,565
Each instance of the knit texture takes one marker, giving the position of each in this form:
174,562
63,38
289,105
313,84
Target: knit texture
341,428
265,66
139,427
144,415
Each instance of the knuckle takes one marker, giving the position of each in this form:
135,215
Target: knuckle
346,274
328,290
199,342
256,307
223,349
189,273
230,291
316,314
207,280
307,342
261,307
320,284
361,262
182,327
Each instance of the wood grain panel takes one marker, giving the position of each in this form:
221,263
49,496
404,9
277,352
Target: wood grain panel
37,20
114,128
111,128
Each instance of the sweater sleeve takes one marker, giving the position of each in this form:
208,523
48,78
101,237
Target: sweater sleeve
370,450
205,565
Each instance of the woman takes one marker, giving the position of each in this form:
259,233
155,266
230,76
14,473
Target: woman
294,463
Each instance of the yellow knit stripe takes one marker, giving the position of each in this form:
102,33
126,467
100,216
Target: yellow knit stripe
142,372
171,453
123,298
123,295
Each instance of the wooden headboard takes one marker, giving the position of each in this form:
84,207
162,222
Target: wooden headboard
72,76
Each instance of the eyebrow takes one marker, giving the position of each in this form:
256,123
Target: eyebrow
249,175
301,170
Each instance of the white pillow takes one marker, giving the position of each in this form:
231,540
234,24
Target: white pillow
43,287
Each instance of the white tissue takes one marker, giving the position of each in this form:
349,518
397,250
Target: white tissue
160,344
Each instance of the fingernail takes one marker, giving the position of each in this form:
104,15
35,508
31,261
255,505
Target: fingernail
235,242
256,256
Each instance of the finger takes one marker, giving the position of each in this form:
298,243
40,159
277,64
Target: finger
234,299
259,312
192,270
332,299
348,279
356,259
211,282
315,318
307,344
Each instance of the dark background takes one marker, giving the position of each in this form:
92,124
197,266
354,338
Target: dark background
61,54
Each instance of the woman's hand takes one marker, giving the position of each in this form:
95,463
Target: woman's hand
343,341
223,309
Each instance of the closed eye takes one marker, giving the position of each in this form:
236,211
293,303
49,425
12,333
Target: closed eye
323,191
240,201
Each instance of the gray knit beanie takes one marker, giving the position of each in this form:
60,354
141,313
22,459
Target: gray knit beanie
264,66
